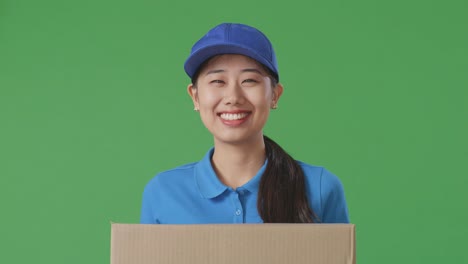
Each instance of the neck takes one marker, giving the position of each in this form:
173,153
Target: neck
235,165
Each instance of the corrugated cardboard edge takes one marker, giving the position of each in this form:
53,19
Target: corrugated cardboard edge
353,244
139,228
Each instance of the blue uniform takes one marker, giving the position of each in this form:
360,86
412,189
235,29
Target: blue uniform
193,194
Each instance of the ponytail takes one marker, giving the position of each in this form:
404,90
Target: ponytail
282,194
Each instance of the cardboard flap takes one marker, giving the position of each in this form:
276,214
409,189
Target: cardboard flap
233,243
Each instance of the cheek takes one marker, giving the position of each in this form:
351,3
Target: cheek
208,99
261,98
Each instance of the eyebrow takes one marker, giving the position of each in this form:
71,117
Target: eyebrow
214,71
244,70
252,70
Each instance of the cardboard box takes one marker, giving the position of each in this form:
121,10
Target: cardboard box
233,243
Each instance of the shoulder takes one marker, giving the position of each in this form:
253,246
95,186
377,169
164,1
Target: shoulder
326,193
173,176
318,173
310,170
178,171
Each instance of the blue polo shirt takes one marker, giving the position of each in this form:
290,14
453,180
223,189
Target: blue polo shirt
193,194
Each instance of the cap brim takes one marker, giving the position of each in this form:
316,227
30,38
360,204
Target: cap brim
198,57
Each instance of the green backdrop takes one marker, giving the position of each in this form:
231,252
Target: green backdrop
93,104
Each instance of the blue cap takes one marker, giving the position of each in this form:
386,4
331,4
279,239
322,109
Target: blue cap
230,38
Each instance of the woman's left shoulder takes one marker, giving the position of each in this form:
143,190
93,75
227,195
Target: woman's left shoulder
309,168
321,174
326,193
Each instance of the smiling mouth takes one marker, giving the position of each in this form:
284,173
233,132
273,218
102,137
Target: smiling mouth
236,116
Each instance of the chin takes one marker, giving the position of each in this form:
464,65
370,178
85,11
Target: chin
234,139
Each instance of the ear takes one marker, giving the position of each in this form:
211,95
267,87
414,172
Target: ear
193,92
277,92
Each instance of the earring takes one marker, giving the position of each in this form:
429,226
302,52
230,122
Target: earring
196,109
275,106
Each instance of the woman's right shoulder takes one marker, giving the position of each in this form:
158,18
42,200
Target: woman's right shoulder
176,174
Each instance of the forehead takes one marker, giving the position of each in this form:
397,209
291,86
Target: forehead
231,61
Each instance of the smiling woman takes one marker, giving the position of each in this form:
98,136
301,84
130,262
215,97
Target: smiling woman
246,177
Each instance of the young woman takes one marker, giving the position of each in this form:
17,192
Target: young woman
246,177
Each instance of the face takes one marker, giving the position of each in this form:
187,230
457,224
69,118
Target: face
234,96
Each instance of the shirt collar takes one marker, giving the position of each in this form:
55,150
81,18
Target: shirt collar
205,176
254,183
209,184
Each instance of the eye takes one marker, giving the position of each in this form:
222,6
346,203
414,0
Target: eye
217,81
249,81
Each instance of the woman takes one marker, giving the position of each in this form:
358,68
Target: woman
246,177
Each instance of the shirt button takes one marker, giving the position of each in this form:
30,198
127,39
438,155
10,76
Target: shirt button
238,212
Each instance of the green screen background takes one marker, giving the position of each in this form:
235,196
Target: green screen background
93,104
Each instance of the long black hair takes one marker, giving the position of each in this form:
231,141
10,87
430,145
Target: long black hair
282,196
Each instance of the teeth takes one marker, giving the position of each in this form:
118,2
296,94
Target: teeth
233,116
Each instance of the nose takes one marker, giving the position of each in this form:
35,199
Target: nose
233,95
